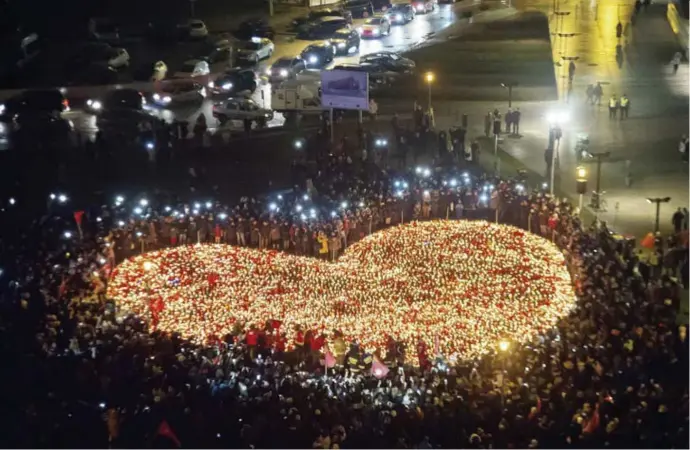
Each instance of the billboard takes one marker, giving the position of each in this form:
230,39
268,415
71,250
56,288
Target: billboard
345,89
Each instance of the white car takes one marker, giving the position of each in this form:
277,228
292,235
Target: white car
117,58
240,109
181,91
193,68
197,29
375,27
255,50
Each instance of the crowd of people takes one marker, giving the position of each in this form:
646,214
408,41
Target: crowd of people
77,373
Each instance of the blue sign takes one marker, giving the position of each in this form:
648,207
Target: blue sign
344,89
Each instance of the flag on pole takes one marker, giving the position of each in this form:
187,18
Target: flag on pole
165,431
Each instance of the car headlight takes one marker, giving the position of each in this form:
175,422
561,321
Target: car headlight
95,104
398,17
377,31
268,71
203,92
283,73
313,59
156,97
341,45
211,84
227,86
2,108
167,99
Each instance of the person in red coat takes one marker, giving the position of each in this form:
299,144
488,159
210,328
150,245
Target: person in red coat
252,340
424,362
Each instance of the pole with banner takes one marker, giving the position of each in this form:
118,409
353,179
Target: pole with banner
78,216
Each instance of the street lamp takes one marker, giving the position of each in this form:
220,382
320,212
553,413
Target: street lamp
555,120
510,87
429,78
596,198
658,201
581,181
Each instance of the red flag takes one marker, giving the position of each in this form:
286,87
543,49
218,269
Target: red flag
78,215
165,431
379,369
593,423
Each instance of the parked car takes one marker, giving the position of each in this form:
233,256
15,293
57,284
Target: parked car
316,14
375,27
197,29
117,99
322,28
400,14
254,50
235,81
174,92
102,53
346,41
285,68
165,31
254,28
193,68
38,101
378,75
424,6
359,8
240,109
391,61
104,30
319,54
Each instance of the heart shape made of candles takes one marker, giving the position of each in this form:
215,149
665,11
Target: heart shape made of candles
459,286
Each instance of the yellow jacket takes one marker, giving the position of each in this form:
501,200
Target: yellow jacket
323,240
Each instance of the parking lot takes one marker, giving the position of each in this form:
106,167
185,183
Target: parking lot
400,39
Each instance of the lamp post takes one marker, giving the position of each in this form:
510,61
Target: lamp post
596,199
510,87
555,120
429,78
658,201
581,184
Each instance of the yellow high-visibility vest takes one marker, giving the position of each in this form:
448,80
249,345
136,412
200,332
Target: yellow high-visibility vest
624,102
612,103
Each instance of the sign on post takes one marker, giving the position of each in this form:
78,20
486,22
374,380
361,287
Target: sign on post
344,89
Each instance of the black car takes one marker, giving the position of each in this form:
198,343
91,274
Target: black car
346,41
318,55
322,28
359,8
117,100
401,14
285,68
390,61
328,12
255,28
48,101
378,75
234,81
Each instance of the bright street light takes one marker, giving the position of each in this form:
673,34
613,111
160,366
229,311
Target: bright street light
581,173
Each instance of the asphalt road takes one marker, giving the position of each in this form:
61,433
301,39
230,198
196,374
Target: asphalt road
401,38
